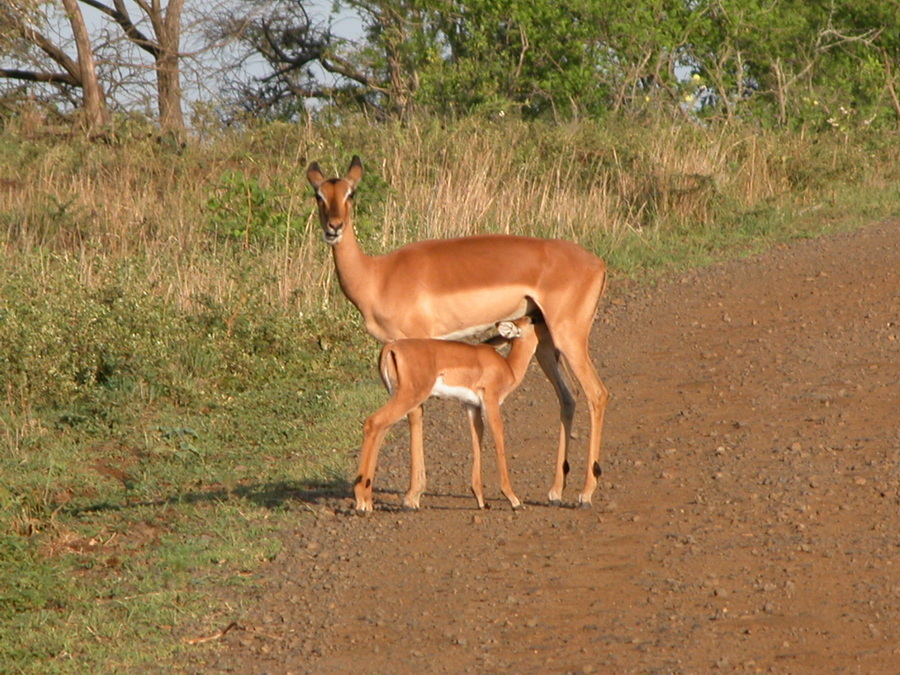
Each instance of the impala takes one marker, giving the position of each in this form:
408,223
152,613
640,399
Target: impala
415,369
454,288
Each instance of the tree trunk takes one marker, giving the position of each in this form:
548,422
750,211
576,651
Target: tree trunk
889,81
168,68
93,98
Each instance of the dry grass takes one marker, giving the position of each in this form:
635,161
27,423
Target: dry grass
595,184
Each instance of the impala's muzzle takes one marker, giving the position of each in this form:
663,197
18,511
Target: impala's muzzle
333,233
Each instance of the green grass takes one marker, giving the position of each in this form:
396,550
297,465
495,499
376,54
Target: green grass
181,380
153,457
110,589
121,537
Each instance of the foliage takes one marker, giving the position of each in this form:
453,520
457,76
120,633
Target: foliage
787,63
769,61
565,59
243,210
718,58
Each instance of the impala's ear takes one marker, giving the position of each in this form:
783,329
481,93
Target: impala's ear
314,175
355,172
508,329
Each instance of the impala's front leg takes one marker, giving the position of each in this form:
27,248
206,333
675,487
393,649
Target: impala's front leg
417,478
476,427
492,409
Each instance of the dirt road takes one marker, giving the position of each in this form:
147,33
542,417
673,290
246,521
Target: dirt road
748,517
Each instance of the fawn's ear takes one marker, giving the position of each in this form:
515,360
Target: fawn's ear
508,329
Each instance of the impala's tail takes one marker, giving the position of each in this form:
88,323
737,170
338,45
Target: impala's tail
387,367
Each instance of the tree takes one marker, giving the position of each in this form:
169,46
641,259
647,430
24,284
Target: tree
21,24
31,47
777,61
537,57
402,38
94,101
165,22
289,43
306,61
532,57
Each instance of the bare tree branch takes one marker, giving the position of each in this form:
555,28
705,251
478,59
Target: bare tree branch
120,15
53,51
34,76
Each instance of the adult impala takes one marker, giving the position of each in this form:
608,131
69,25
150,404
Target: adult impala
415,369
453,288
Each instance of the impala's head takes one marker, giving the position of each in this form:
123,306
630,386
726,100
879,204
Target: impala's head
517,329
335,198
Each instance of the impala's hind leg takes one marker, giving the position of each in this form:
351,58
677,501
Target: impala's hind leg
570,325
417,479
549,359
576,354
374,431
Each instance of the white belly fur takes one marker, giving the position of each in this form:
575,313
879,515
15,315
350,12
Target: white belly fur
463,394
519,311
468,332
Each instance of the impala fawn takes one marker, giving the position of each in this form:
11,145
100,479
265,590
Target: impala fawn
477,375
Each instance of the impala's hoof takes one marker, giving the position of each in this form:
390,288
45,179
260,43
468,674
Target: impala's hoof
584,506
556,502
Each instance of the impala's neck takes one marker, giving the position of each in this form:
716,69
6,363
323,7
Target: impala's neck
334,197
520,352
352,266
